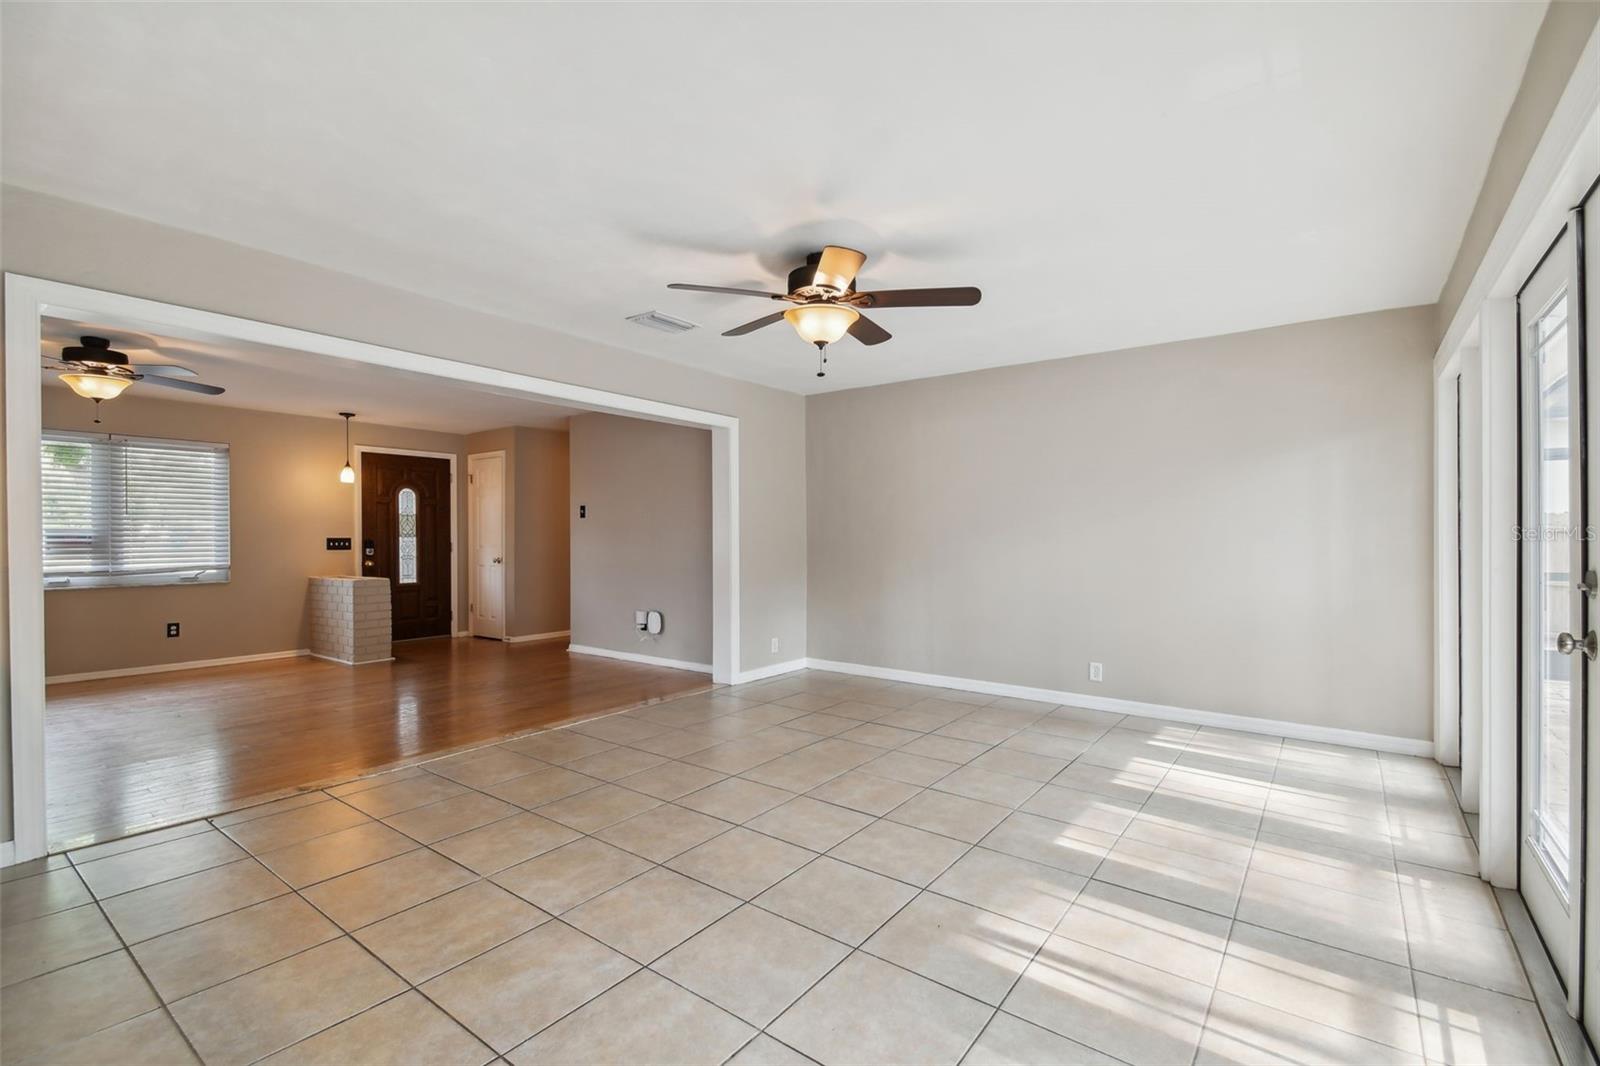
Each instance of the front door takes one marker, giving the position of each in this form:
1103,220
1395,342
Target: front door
1557,598
405,531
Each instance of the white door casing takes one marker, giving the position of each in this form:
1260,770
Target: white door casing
486,521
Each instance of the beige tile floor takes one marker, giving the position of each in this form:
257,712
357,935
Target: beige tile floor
816,868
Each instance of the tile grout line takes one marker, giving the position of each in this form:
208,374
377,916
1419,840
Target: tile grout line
161,1001
1233,918
1405,921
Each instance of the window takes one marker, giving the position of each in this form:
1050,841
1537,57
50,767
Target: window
405,504
133,511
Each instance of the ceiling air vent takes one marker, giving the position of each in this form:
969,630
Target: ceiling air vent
665,323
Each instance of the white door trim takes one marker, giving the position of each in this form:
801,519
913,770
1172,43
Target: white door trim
1449,566
1565,161
472,542
27,299
455,528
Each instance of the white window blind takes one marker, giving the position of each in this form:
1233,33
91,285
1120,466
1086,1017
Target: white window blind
133,511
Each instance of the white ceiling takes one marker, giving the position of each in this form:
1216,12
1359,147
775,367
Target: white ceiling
263,377
1110,174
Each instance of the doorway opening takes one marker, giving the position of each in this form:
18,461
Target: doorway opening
290,510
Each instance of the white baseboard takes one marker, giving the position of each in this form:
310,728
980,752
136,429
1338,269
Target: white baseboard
761,673
529,638
349,662
634,657
166,668
8,853
1243,723
463,633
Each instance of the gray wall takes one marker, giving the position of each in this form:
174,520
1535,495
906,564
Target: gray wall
65,241
1238,524
1560,41
646,543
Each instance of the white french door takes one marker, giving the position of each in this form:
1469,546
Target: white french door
486,520
1558,643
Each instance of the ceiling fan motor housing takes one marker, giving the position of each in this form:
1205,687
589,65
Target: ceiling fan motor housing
94,350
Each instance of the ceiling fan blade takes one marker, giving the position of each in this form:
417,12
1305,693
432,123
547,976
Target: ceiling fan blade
168,370
751,327
725,289
187,386
957,297
868,332
838,268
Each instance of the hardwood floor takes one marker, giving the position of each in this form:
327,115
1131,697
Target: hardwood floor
135,753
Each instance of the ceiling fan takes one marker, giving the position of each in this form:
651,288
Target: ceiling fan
827,305
96,371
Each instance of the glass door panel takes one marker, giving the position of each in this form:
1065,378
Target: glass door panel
1556,649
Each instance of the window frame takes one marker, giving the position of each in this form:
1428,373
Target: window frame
101,530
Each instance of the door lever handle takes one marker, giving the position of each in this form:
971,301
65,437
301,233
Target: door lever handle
1566,644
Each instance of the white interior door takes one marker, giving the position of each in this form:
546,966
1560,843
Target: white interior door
1558,644
486,515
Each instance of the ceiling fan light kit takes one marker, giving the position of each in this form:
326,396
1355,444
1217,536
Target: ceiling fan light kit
96,386
824,292
821,323
96,371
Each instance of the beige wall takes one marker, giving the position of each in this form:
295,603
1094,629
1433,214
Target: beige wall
64,241
1560,41
1239,524
536,551
646,543
286,498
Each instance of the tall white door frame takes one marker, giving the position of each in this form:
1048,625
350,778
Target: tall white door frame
475,565
28,300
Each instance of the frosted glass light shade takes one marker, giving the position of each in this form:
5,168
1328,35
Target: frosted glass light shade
821,323
96,386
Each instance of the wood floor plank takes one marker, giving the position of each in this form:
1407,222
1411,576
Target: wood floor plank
134,753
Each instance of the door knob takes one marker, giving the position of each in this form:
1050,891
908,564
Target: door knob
497,558
1566,644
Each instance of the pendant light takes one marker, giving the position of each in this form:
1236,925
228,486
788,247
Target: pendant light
348,474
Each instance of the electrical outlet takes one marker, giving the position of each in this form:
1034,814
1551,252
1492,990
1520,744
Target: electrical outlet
774,645
1097,672
172,629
